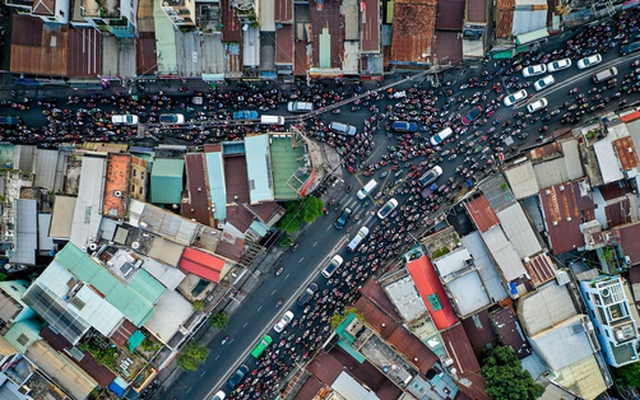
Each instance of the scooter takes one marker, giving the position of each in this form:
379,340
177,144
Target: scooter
224,340
279,270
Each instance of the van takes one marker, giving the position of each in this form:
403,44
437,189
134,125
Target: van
299,106
272,119
357,239
440,136
343,129
366,189
330,269
605,75
125,119
9,120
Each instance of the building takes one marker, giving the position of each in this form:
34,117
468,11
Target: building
50,11
609,311
116,17
166,181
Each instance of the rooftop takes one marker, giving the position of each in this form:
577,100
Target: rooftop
548,306
509,332
166,181
202,264
629,242
413,31
481,213
564,344
480,332
404,295
197,205
291,166
432,292
626,153
565,207
116,185
540,269
518,229
522,179
503,252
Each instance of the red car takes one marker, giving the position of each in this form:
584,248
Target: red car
472,115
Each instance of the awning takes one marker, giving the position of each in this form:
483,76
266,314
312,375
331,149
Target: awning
532,36
502,54
213,77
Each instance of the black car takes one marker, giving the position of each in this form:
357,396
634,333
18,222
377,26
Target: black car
343,218
308,294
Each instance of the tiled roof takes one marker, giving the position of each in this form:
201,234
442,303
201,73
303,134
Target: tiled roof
482,214
204,265
432,292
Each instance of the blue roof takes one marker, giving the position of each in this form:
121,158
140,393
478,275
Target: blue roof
217,185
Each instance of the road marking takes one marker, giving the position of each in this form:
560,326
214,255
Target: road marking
245,324
259,308
202,374
287,277
328,227
314,245
300,260
189,389
216,359
230,341
272,293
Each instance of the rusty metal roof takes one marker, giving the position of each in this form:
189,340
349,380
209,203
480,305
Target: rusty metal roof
284,45
626,152
413,30
482,214
284,11
540,269
504,18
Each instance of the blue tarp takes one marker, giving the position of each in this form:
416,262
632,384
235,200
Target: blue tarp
115,388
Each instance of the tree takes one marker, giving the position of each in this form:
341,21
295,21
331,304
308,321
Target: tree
505,378
219,320
312,209
192,356
197,305
627,375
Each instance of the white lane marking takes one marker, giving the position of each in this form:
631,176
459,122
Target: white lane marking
202,374
272,293
314,245
245,324
287,277
300,260
259,308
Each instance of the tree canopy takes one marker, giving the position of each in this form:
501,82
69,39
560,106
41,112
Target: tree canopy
219,320
300,211
627,375
505,378
192,356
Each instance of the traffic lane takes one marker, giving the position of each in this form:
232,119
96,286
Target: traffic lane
245,326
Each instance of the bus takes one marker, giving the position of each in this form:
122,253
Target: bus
262,346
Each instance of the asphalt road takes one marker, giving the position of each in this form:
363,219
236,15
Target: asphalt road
257,314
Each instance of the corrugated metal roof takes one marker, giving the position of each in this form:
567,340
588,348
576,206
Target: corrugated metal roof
626,153
351,19
217,184
370,26
168,225
166,181
324,49
506,325
259,168
284,11
522,179
476,11
540,269
432,292
561,169
457,343
62,216
482,259
166,251
519,231
23,158
504,18
504,253
169,276
44,224
198,205
413,30
202,264
267,15
548,306
564,344
481,213
171,312
284,45
251,47
25,232
46,168
135,300
88,212
584,377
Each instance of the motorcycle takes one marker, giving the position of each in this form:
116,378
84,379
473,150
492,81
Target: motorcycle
224,340
279,270
279,303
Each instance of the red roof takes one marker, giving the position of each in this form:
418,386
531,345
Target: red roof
432,292
482,214
204,265
459,348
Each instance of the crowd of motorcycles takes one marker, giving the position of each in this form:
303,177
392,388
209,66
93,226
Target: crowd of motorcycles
478,145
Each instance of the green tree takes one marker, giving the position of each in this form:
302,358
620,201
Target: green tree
505,378
627,375
285,241
197,305
219,320
192,356
312,209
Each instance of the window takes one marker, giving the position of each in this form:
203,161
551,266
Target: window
23,339
135,173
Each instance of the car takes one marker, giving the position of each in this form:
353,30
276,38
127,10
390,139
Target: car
284,321
334,264
537,105
237,376
590,61
343,218
307,294
472,115
126,119
605,75
516,97
169,119
544,82
387,208
629,48
197,100
245,114
534,70
220,395
430,176
558,65
343,129
299,106
404,126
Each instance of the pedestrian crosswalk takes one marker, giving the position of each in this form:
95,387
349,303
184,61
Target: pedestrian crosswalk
360,215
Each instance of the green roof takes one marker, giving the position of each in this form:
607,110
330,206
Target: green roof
288,167
134,300
166,181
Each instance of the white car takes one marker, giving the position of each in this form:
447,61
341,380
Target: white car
590,61
220,395
544,83
534,70
559,65
387,208
284,321
537,105
514,98
126,119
